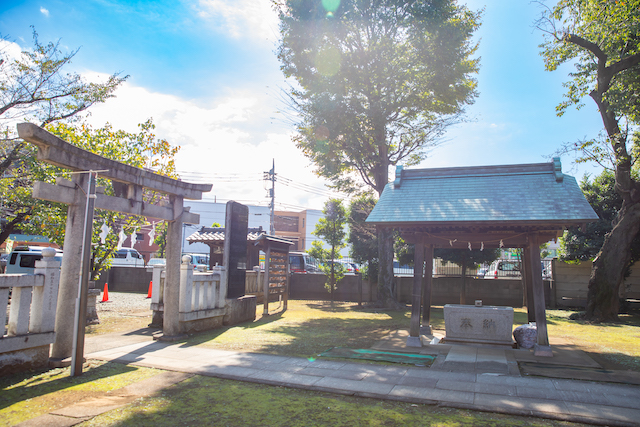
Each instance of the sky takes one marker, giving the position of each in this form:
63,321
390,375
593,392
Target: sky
207,73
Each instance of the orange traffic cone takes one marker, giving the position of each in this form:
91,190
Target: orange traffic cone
105,294
149,293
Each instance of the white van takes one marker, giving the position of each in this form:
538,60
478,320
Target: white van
127,257
23,259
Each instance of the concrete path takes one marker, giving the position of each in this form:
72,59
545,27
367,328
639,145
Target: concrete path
464,377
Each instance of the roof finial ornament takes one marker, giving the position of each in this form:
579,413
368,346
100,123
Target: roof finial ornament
481,246
398,179
557,169
469,245
501,244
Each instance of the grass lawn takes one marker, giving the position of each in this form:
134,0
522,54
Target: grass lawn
209,401
305,329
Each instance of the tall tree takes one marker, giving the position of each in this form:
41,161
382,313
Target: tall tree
602,39
330,228
377,83
35,87
362,236
583,244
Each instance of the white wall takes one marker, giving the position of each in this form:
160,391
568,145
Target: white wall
313,215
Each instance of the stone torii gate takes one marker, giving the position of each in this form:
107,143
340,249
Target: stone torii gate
129,183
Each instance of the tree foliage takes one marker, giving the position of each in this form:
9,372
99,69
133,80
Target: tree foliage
602,39
35,87
376,84
377,81
330,228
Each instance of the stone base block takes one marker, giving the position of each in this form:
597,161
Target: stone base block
23,360
414,342
200,325
486,324
240,310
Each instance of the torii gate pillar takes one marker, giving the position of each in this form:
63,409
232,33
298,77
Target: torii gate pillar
170,322
69,275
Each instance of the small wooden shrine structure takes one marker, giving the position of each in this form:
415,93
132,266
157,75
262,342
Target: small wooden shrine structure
276,278
214,238
511,206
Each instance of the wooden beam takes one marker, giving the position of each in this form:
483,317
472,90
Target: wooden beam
416,297
542,348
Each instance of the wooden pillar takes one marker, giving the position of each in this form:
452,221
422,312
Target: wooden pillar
265,289
416,297
527,280
542,348
171,322
62,347
426,292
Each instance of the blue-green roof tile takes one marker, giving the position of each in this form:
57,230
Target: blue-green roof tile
532,192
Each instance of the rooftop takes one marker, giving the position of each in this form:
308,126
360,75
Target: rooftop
530,193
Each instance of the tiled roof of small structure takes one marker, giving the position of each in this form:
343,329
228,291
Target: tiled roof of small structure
516,193
216,234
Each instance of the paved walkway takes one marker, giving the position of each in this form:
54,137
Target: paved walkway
467,377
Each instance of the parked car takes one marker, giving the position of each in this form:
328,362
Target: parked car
199,261
22,260
503,268
3,262
156,261
300,262
127,257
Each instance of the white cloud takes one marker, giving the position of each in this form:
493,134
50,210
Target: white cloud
229,142
239,19
44,11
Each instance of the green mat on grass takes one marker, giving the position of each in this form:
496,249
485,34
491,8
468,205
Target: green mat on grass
384,356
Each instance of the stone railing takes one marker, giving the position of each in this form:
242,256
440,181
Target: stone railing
32,308
202,295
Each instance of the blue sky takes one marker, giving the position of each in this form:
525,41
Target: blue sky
207,73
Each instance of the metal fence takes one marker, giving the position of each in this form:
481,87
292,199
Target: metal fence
503,268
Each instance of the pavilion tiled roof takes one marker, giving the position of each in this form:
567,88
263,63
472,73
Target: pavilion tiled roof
216,234
529,193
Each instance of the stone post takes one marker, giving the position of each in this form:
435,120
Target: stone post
171,297
44,299
62,348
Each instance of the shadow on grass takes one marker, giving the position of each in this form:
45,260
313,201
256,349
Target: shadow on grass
28,385
319,327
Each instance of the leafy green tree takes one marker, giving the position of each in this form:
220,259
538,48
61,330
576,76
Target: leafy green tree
330,228
602,39
377,83
35,87
140,149
362,236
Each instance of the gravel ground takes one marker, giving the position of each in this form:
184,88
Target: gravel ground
124,303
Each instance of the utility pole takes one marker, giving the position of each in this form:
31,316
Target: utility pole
271,176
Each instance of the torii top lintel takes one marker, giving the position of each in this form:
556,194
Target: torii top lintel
54,150
483,205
